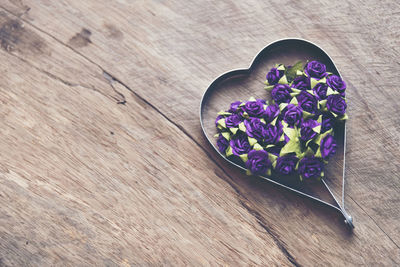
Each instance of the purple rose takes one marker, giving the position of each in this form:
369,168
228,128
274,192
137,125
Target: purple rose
315,69
336,104
234,106
328,146
292,114
222,144
281,93
320,90
254,108
301,82
306,131
336,83
240,144
271,112
327,123
272,134
286,164
258,162
310,167
255,128
274,75
217,119
233,120
308,102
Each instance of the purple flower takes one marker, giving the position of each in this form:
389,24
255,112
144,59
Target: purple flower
308,102
320,90
337,84
286,164
217,119
301,82
315,69
306,131
222,144
327,123
272,134
234,106
310,167
281,93
328,146
274,75
336,104
258,162
271,112
233,120
254,108
240,144
292,114
255,128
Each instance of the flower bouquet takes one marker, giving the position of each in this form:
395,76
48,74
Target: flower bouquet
294,133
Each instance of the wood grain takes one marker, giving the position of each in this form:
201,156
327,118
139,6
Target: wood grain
103,160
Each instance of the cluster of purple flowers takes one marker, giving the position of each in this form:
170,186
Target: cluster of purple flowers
294,133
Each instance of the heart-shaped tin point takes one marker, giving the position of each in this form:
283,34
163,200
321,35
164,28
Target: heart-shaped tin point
240,84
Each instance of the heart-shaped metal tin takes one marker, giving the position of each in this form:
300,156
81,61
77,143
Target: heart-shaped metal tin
240,84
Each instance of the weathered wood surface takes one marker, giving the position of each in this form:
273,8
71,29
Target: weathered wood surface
102,156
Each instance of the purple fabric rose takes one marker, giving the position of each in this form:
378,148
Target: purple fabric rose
328,146
337,84
233,120
240,144
234,107
271,112
336,104
254,108
281,93
272,134
255,128
222,144
310,167
327,123
315,69
292,114
306,131
217,119
308,102
274,75
286,164
258,162
320,90
301,82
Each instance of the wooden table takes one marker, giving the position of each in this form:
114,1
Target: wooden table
103,161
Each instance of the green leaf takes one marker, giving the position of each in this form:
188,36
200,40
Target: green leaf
272,157
329,91
344,117
263,120
273,122
281,67
313,82
242,127
228,151
269,87
307,115
294,101
299,73
224,113
252,141
292,72
233,130
244,157
226,135
293,146
268,172
248,172
290,132
221,122
283,80
317,129
245,115
216,135
282,106
252,98
257,146
318,154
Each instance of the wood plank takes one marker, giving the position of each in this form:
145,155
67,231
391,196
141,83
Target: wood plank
86,181
167,52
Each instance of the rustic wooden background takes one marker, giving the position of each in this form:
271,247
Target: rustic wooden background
102,160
